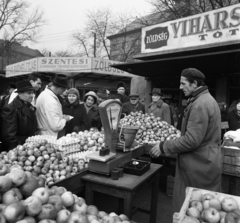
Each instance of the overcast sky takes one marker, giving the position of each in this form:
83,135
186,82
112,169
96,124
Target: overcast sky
66,16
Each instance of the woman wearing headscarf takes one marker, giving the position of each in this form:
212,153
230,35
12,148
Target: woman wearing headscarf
234,117
73,108
158,107
90,105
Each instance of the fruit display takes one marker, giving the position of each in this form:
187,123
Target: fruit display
42,159
63,144
91,140
151,129
212,207
25,200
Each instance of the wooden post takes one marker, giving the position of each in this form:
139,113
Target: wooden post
222,90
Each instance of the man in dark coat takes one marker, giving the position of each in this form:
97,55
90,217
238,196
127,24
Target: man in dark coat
199,154
19,119
133,105
121,93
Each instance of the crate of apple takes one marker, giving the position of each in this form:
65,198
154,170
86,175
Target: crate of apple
44,160
151,129
208,206
25,200
91,140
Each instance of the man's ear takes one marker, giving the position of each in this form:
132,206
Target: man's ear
31,81
195,83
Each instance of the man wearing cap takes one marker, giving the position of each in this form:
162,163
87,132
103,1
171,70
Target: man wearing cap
50,118
198,152
18,117
121,93
158,107
133,105
36,82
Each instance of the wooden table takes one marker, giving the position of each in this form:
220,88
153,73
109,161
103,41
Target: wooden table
125,188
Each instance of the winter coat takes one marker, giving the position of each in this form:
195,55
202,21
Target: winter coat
128,108
49,114
94,119
233,120
80,120
199,154
160,109
18,123
123,98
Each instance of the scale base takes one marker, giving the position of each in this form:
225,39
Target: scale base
106,167
96,156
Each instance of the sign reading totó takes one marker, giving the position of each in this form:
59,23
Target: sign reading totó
217,26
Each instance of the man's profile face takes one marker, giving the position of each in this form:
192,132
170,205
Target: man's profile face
187,87
26,96
36,84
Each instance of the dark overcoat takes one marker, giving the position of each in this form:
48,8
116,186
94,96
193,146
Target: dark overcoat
128,108
18,123
80,118
199,155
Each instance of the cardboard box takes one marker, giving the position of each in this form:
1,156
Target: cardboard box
196,194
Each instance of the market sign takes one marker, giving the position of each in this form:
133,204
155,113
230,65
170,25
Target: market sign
66,65
213,27
104,67
21,68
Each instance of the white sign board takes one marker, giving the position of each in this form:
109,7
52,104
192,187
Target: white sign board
64,64
21,68
217,26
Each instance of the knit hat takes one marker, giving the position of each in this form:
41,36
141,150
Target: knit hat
193,73
74,91
121,84
102,93
93,94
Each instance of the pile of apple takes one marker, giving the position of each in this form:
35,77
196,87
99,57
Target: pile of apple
212,209
41,159
151,129
91,140
24,200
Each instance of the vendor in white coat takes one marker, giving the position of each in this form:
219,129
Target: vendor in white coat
50,118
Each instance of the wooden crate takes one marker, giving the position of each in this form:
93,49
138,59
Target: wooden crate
196,194
231,184
231,161
73,183
170,185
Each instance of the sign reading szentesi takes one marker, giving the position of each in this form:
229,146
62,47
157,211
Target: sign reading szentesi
65,64
217,26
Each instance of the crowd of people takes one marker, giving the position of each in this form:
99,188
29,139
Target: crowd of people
58,110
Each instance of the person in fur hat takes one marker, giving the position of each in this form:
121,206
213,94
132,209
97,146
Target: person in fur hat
121,93
90,105
73,108
158,107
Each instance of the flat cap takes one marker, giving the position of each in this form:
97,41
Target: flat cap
193,73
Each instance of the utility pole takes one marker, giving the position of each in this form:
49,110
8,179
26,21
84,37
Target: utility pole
94,44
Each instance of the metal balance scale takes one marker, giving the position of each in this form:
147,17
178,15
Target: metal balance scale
115,149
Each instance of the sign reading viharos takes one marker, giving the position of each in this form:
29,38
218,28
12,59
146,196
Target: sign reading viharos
217,26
